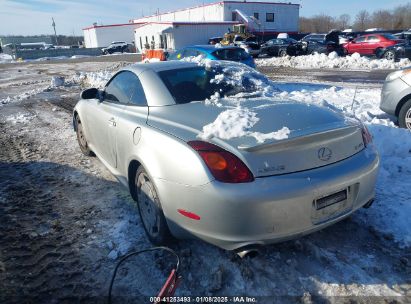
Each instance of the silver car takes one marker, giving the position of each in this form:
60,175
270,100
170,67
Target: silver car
396,96
146,127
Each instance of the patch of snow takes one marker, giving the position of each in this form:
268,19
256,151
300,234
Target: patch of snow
57,81
230,124
333,61
20,118
277,135
5,58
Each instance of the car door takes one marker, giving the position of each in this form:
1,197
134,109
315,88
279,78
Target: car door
371,44
357,45
103,118
275,46
131,122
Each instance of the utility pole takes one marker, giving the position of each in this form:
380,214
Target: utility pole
54,27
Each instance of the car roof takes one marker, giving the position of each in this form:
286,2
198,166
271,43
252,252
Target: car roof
138,68
210,48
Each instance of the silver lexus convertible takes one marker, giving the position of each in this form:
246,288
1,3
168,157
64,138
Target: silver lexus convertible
280,169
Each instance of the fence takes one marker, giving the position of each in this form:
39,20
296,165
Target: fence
36,54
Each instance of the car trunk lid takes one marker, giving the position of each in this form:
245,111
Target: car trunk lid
318,136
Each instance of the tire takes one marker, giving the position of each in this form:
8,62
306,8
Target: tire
81,139
404,117
282,53
389,55
149,207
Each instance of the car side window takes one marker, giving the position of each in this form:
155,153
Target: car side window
373,39
360,39
126,88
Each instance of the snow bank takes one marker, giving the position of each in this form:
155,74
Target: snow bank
333,61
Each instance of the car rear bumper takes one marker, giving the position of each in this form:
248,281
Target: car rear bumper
270,209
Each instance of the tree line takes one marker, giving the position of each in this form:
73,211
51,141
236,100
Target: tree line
398,18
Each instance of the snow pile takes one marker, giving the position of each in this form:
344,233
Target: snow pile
5,58
94,79
333,61
237,122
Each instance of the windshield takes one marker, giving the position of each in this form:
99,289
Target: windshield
237,54
202,83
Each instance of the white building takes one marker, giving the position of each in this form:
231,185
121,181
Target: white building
102,35
261,17
176,35
196,25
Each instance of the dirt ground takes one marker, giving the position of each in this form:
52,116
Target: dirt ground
65,221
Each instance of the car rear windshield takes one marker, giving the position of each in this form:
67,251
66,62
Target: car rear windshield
200,83
390,36
237,54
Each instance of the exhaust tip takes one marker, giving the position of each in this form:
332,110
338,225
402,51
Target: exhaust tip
368,204
248,251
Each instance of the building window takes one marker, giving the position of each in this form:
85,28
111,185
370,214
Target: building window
256,16
234,16
269,17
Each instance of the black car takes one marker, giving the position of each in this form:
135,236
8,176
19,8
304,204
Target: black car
279,47
116,47
398,51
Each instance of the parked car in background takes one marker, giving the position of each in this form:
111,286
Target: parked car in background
214,40
116,47
229,53
231,191
395,52
250,45
279,47
396,96
370,44
314,37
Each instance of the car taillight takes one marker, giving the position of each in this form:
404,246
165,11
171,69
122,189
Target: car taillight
223,165
366,136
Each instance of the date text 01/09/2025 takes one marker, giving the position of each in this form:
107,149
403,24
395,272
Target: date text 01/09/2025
205,299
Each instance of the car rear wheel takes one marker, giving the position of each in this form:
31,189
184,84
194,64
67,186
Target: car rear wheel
404,118
81,139
149,207
389,55
282,53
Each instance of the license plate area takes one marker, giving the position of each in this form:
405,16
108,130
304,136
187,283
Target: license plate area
331,206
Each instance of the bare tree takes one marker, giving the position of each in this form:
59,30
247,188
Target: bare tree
362,20
382,19
343,22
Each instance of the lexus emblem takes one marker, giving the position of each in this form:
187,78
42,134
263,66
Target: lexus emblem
325,154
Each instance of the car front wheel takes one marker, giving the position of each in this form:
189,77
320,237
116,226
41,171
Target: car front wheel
404,118
149,207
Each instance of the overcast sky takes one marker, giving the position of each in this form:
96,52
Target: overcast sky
31,17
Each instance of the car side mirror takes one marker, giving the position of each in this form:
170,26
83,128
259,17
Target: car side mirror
92,93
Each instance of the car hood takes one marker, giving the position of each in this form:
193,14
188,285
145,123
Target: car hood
311,128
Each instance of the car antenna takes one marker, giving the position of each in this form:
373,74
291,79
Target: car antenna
353,100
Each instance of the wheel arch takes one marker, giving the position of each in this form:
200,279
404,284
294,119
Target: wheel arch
75,115
131,172
401,103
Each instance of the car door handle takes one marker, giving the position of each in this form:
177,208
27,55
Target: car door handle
112,122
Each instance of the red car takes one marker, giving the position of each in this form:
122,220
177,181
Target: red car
370,44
